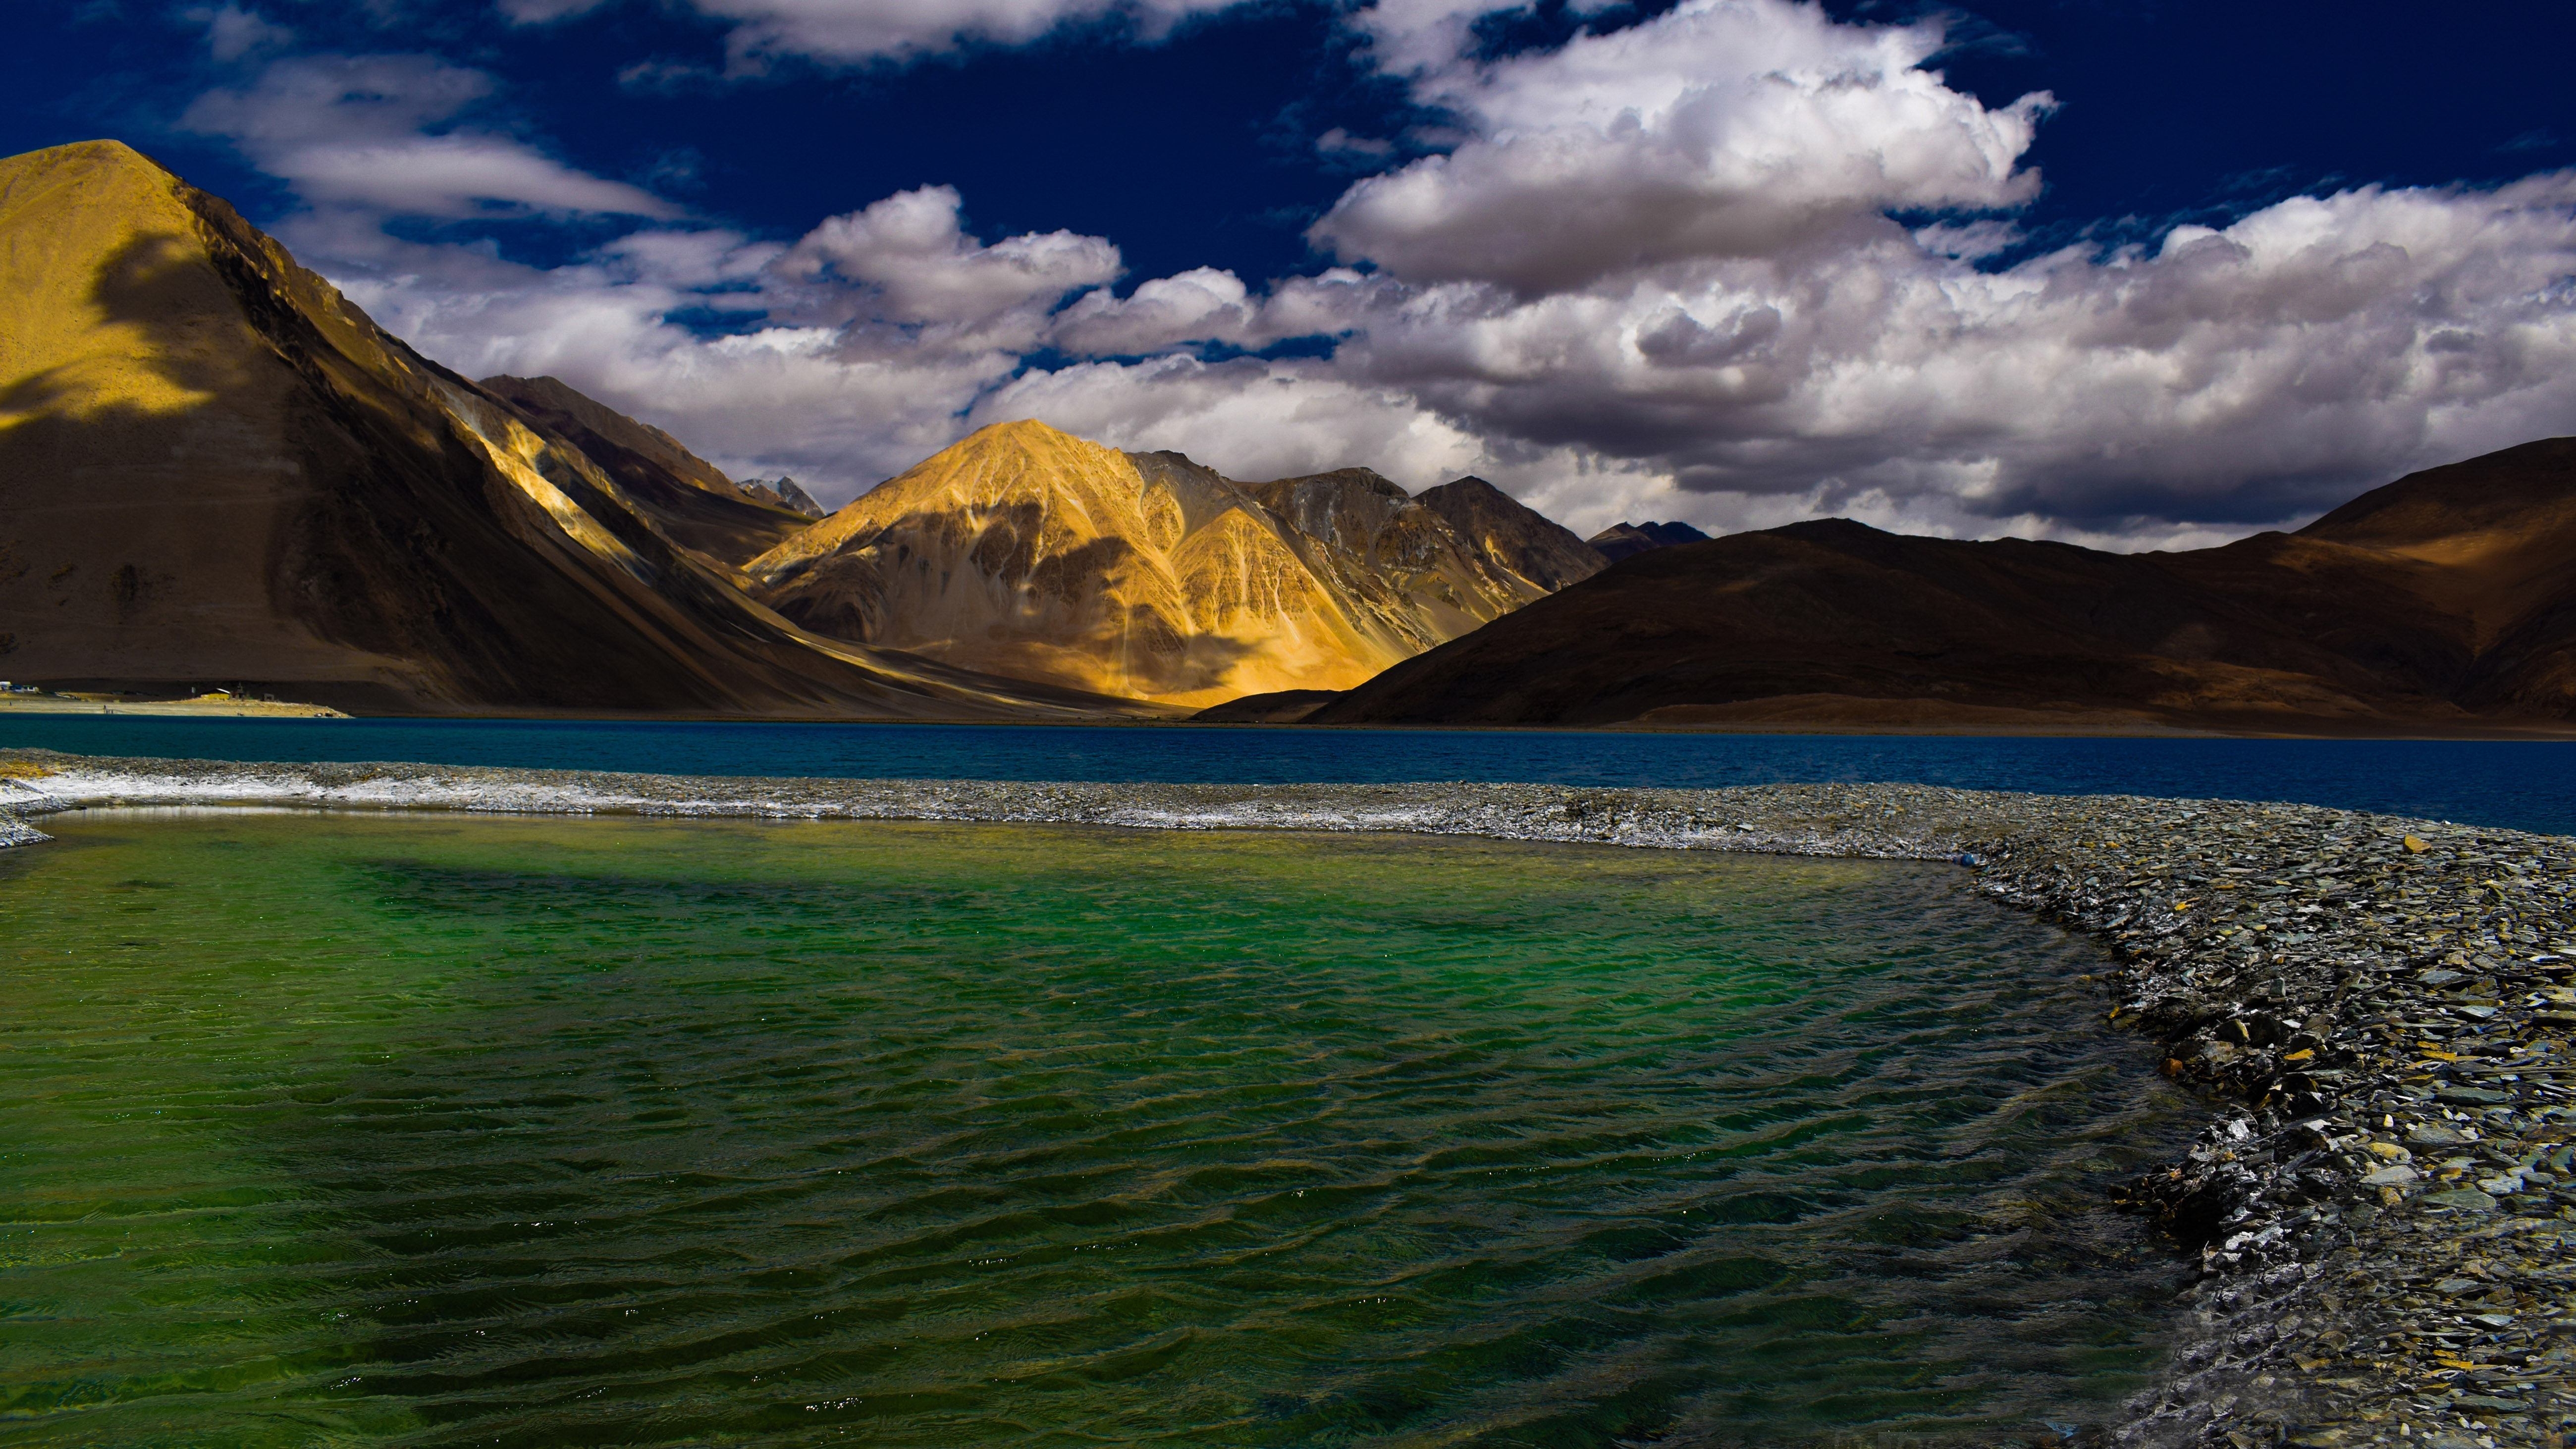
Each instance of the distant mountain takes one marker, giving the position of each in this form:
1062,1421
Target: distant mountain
1384,544
1536,551
1623,540
2443,599
1026,552
695,503
783,492
1287,706
215,470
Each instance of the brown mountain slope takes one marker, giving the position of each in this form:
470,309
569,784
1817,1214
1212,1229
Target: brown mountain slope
1027,552
2441,598
2491,543
1534,551
1432,579
694,502
215,469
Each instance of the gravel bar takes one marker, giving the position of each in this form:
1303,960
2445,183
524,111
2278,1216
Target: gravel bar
2379,1011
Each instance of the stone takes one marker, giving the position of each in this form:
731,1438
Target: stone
2307,1268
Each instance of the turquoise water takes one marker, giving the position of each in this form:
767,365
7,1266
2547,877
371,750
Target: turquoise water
2521,784
378,1130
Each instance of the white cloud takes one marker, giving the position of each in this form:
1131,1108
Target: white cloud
351,131
1340,142
1205,305
860,31
540,12
2223,381
2245,376
863,343
1654,278
915,263
1250,418
1969,240
1722,128
232,32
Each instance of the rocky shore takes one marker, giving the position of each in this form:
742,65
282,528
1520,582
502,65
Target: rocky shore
2381,1011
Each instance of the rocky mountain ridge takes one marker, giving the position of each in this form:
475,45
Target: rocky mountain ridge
783,492
2443,601
215,469
1026,552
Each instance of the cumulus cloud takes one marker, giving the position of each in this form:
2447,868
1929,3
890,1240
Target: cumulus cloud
1255,419
1722,128
840,401
2242,376
857,349
232,32
853,31
910,257
352,130
1655,274
1204,305
1340,142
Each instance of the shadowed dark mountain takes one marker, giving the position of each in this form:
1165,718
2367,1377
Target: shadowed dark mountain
2445,599
700,508
1541,553
1623,540
214,468
1285,706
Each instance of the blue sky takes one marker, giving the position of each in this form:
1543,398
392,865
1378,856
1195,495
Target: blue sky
2138,274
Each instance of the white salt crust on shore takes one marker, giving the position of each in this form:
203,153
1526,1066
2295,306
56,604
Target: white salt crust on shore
2383,1205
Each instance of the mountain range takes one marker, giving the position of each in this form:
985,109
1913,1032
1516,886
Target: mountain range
214,469
2444,600
1026,552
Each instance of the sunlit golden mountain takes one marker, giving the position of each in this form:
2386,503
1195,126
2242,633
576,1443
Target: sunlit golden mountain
215,469
1023,551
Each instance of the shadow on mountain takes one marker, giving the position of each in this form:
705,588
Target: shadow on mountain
2445,601
218,470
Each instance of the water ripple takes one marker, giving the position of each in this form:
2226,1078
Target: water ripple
513,1132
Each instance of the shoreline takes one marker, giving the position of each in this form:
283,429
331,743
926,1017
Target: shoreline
2380,1010
203,707
2299,727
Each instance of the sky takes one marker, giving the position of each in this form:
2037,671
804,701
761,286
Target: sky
2146,274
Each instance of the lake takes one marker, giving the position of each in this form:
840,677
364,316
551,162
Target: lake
445,1130
2522,784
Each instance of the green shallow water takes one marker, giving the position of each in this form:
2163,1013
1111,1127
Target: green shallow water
324,1130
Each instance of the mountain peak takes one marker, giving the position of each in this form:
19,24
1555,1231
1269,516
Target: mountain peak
1620,540
216,468
107,155
1029,552
1544,554
1030,434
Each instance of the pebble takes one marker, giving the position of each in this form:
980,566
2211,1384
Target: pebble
2378,1010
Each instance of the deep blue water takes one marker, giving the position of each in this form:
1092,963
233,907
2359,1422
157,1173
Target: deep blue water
2527,785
